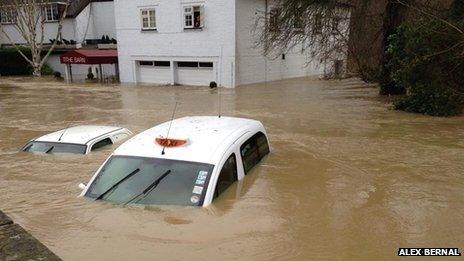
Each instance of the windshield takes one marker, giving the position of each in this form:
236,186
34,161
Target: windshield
179,182
52,147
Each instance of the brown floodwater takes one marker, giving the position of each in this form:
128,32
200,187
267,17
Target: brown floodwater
347,178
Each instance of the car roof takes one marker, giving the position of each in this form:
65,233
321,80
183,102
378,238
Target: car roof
78,134
208,137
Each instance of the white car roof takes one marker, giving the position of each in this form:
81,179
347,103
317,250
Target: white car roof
207,138
78,134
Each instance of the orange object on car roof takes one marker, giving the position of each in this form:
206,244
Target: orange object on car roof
170,143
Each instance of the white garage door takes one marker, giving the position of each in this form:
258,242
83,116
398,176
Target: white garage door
195,73
156,72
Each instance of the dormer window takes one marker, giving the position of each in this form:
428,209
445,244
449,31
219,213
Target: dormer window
193,17
7,16
50,13
148,19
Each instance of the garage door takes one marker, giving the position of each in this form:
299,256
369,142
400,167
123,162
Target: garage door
157,72
195,73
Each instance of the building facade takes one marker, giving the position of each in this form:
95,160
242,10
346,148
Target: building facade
196,42
85,24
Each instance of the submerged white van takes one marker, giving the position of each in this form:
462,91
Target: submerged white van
187,161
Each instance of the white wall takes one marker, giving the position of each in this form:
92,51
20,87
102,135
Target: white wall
49,32
103,19
215,43
252,65
96,20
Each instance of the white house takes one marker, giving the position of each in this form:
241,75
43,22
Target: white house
195,42
85,23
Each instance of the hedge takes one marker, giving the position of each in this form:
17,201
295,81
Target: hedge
426,60
13,63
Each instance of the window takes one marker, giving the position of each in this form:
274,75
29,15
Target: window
7,16
253,150
274,19
102,144
187,64
148,19
162,64
54,148
263,145
335,24
146,63
50,13
193,17
317,24
182,183
227,176
206,65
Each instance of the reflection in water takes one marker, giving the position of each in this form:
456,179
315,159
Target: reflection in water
347,178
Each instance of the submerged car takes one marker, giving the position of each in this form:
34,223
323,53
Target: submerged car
188,161
77,140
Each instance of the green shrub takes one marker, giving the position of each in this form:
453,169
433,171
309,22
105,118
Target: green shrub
370,74
12,63
426,60
432,101
90,75
47,70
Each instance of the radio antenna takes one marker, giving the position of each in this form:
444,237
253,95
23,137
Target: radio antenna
169,129
65,130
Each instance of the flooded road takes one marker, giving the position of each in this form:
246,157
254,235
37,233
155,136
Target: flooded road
347,177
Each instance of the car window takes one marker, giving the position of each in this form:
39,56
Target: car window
253,150
227,176
263,145
102,144
185,183
55,148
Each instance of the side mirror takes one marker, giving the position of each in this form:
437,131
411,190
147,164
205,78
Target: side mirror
82,186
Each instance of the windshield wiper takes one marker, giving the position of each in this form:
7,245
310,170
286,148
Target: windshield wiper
50,149
117,184
150,188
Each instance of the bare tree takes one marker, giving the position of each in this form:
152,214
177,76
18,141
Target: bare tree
320,28
29,18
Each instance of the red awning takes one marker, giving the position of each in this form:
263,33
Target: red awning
90,56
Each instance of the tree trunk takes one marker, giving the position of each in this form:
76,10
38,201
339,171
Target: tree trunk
394,16
37,71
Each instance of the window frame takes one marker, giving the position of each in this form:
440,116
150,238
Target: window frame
51,13
191,14
7,16
149,18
